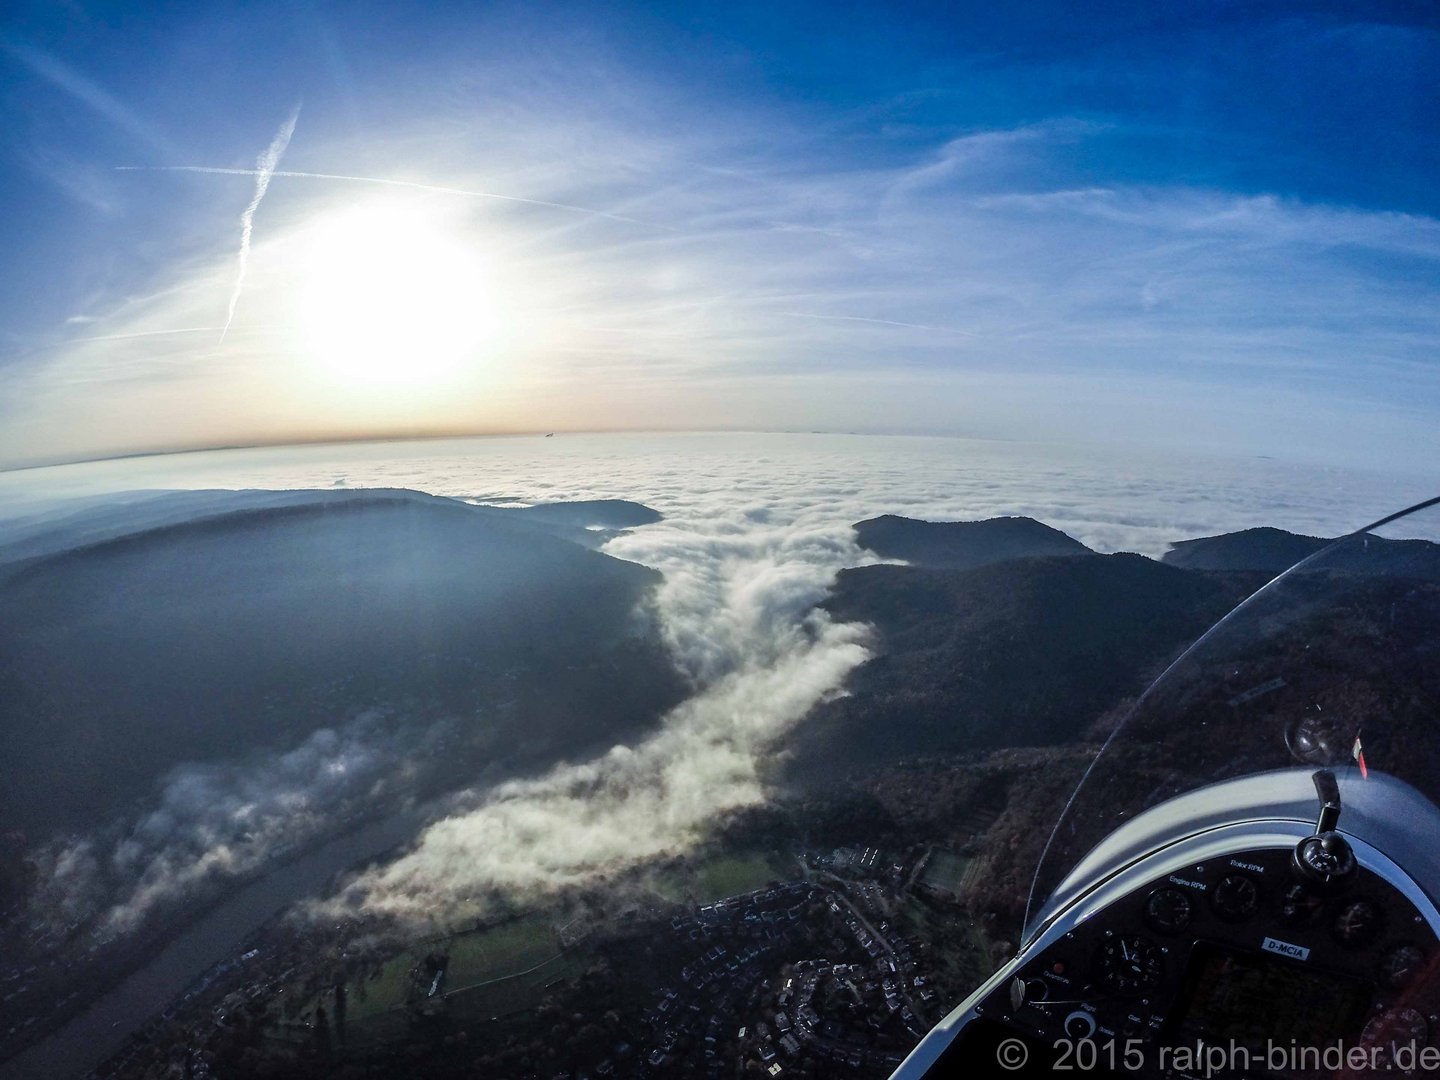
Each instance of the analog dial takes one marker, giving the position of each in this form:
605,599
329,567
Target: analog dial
1300,905
1169,910
1400,965
1236,897
1130,964
1396,1029
1357,924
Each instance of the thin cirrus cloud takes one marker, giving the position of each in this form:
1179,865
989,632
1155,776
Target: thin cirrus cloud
770,255
877,322
85,91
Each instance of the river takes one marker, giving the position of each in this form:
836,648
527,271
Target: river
90,1038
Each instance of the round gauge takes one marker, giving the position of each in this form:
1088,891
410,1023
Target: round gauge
1169,910
1357,924
1130,964
1400,965
1396,1028
1300,906
1236,897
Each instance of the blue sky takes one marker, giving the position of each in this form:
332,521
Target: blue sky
1210,225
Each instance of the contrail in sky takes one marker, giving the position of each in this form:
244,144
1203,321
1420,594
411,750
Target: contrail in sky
879,322
263,171
151,333
415,185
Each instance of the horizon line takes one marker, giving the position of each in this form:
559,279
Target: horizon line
463,433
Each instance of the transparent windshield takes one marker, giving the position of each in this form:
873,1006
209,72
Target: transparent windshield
1334,663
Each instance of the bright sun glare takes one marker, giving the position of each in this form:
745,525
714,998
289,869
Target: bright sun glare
388,298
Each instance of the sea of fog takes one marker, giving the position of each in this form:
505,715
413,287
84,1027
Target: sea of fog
755,528
1111,497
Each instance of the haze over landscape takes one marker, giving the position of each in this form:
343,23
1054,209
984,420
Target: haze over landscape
497,505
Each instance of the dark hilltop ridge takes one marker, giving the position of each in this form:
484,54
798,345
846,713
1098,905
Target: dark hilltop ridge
1273,551
1265,550
77,523
997,634
589,523
1022,652
963,545
592,514
189,626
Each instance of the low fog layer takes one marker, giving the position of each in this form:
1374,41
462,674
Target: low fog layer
226,819
755,529
738,609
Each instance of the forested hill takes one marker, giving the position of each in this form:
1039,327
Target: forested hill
242,631
1020,653
1273,551
961,545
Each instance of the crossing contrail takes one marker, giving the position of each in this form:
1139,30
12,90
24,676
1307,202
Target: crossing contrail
151,333
412,184
263,171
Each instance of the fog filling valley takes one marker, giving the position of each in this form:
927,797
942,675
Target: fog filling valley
225,820
755,529
737,608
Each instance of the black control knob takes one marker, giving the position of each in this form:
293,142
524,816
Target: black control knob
1027,991
1325,860
1079,1025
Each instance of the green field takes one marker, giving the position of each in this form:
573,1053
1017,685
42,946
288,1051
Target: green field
718,876
480,956
946,871
510,967
518,993
731,875
383,992
502,950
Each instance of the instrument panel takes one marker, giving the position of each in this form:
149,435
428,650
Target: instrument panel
1235,951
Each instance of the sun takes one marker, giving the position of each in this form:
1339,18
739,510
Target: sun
389,297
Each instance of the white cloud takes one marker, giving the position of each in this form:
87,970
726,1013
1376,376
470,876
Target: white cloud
873,275
737,608
217,821
85,91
